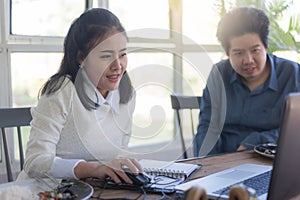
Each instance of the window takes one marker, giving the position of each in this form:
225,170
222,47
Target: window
195,71
285,18
137,14
200,20
29,71
152,77
44,17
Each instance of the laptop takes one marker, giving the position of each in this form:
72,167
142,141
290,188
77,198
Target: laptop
282,179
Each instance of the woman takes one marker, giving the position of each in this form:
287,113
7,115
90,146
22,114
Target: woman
82,123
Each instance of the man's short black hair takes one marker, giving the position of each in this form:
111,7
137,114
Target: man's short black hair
240,21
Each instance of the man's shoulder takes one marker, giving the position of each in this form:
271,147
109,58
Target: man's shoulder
285,68
223,63
280,62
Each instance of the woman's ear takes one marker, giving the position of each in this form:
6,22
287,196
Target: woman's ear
80,63
80,57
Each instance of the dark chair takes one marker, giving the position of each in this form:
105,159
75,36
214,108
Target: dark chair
181,102
13,118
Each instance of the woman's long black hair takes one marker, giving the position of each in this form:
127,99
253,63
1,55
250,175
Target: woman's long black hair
85,33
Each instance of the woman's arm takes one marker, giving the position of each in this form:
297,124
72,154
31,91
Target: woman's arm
48,121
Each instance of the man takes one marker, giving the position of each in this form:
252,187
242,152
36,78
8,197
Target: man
244,97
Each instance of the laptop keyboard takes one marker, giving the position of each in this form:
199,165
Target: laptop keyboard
259,183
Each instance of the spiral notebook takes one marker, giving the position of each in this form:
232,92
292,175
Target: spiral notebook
169,169
166,175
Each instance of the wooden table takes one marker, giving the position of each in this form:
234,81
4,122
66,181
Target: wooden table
210,165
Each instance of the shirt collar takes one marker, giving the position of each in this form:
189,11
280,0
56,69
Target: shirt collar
273,84
112,99
234,76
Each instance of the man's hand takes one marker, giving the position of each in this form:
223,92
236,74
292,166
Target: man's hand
241,148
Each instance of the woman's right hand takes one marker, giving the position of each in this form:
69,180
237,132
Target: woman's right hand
113,169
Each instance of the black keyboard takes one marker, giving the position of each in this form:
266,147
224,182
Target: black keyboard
259,183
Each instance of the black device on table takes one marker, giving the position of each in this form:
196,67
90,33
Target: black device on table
140,179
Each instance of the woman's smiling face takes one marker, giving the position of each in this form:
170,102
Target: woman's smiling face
106,63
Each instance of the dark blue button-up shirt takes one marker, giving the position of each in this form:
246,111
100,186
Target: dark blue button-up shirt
252,117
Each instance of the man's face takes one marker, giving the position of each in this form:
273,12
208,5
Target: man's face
248,57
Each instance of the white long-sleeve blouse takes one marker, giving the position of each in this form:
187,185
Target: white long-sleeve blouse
63,132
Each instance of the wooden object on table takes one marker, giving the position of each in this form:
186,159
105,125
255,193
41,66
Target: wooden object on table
241,192
238,192
196,193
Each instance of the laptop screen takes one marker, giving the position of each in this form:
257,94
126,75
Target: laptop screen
285,179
